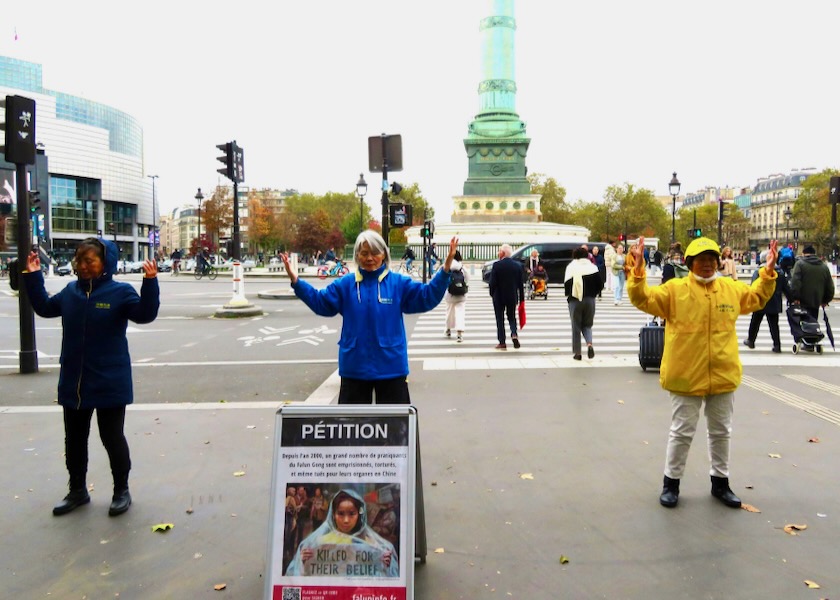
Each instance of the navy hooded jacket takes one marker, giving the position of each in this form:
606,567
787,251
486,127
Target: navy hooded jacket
95,364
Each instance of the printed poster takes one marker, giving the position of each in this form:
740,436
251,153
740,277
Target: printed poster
341,522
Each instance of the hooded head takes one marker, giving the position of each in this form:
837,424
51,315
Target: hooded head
809,250
104,250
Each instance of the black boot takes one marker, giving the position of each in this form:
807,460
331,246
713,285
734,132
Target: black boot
120,502
73,500
670,492
721,491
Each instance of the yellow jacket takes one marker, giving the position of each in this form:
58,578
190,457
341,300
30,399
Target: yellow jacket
701,346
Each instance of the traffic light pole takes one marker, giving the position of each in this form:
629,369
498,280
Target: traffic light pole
28,356
236,221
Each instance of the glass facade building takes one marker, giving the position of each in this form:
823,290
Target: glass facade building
97,183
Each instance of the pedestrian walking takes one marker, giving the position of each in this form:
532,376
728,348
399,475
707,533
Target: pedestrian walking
619,276
507,290
700,362
609,258
95,370
583,282
674,266
456,298
811,282
601,266
727,264
771,310
373,350
656,268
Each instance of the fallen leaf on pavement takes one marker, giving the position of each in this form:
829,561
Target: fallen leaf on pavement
812,585
814,440
219,587
621,401
564,559
749,507
163,527
526,476
239,473
439,550
775,455
792,528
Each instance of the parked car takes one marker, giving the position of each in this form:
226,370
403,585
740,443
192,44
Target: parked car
554,256
64,269
165,266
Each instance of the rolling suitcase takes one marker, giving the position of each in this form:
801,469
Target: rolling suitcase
651,345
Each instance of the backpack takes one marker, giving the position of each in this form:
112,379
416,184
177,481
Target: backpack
457,283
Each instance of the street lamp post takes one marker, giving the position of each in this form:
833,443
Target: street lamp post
199,197
674,189
361,190
154,217
788,215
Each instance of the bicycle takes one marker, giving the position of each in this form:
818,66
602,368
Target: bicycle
210,271
338,270
176,268
411,271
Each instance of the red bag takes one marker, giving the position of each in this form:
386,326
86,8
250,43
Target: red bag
522,315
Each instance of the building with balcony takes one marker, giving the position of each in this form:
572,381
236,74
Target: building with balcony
96,183
771,207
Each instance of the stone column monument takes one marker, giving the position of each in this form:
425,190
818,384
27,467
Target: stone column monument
496,189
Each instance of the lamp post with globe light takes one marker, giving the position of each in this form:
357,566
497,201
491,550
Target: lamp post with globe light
674,189
361,190
199,197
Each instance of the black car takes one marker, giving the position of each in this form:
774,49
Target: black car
554,256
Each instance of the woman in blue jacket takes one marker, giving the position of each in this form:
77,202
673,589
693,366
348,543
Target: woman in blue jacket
95,364
372,350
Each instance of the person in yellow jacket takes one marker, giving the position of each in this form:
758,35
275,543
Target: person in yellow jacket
700,360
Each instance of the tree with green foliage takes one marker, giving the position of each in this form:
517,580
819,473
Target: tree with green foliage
634,212
812,212
553,198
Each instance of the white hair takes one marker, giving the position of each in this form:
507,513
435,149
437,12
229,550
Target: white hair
506,249
375,242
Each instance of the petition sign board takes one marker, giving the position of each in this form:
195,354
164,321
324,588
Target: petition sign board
342,505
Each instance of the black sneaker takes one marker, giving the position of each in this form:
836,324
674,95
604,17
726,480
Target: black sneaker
590,352
516,343
749,344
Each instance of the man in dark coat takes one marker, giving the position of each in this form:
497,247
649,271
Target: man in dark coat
811,282
507,290
771,310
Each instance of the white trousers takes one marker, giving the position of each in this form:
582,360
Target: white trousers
456,315
684,416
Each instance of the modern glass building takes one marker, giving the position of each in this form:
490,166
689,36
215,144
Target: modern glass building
96,181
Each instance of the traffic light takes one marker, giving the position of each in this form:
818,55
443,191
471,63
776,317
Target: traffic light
234,161
396,188
226,160
428,230
621,237
19,127
697,232
34,202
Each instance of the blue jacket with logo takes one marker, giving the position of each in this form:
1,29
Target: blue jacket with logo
373,343
95,363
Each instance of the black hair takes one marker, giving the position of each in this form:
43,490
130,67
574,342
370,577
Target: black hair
580,252
458,256
91,243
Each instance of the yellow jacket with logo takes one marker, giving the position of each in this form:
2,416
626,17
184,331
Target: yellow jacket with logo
701,346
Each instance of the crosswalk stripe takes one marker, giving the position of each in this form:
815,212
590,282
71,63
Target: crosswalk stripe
810,407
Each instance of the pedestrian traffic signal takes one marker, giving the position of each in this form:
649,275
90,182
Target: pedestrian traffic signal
428,230
621,237
834,190
19,126
698,232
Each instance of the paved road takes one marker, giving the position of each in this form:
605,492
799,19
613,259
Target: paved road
591,434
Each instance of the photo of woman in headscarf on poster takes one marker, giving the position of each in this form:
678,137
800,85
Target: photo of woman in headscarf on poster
345,545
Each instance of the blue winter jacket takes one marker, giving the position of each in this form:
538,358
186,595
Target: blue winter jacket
95,364
373,343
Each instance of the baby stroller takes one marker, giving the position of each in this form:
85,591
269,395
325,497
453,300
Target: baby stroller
805,330
537,283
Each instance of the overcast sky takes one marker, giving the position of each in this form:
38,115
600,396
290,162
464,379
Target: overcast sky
611,91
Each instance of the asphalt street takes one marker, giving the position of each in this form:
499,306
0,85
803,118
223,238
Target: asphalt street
527,458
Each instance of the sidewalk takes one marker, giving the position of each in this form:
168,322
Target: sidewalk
519,470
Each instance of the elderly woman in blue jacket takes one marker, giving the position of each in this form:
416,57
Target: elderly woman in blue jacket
373,351
95,364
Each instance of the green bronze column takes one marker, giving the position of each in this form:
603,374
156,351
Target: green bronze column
496,144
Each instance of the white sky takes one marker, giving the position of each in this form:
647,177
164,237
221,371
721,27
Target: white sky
612,91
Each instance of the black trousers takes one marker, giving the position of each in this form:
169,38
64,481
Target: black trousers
772,323
500,308
76,432
360,391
